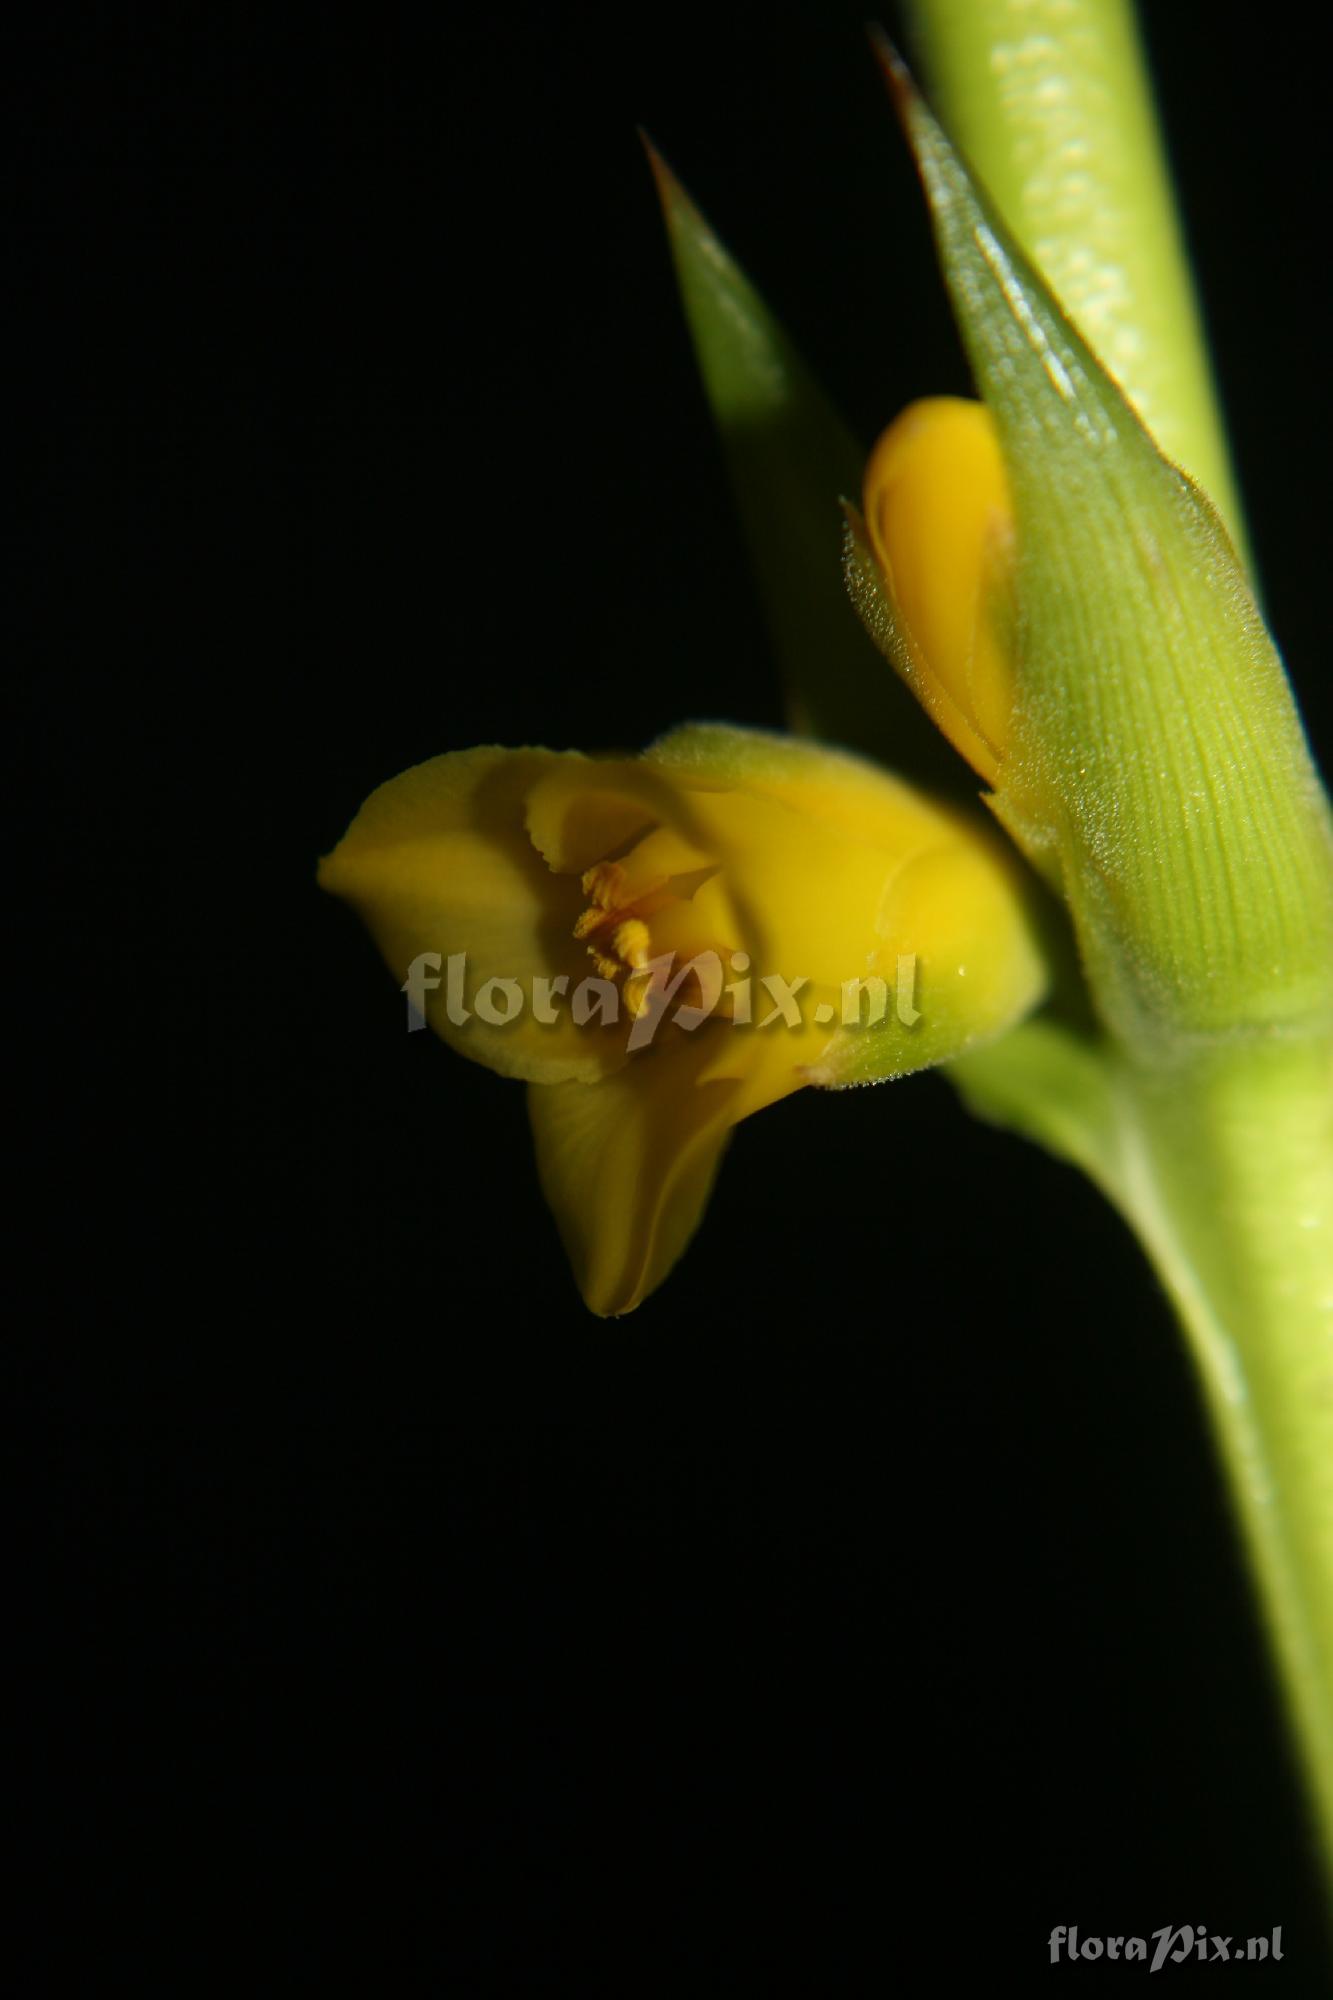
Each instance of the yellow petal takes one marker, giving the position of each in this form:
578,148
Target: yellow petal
959,908
627,1165
855,798
438,861
808,841
939,517
587,808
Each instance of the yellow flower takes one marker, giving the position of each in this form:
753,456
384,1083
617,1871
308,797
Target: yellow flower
662,945
940,524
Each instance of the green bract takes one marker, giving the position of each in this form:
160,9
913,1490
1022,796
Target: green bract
1158,771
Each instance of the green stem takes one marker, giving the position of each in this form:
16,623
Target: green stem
1220,1155
1050,101
1224,1165
1221,1161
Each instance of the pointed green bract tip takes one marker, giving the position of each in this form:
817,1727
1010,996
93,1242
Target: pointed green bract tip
792,461
669,190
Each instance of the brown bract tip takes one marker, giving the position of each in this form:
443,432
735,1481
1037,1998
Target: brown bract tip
669,190
901,83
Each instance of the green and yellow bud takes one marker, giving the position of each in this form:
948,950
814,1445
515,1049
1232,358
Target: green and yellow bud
1070,608
940,523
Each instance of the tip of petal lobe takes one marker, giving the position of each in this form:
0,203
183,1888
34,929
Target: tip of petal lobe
627,1165
627,1171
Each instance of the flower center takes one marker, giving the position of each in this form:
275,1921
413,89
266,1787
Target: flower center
613,925
641,908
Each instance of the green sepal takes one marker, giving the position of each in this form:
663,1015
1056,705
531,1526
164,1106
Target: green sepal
1054,1086
792,460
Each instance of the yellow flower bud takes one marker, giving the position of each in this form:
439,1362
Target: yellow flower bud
661,946
939,522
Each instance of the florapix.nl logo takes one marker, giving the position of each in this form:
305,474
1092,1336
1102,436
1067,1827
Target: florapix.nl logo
1173,1944
689,993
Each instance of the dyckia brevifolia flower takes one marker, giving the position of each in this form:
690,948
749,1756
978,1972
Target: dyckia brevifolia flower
677,941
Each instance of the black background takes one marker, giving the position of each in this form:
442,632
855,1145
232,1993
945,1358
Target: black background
864,1605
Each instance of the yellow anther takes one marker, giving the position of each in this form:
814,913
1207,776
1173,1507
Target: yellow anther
632,943
638,991
603,885
605,968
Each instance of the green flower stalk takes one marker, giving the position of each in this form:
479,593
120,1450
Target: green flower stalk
1057,577
1159,775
